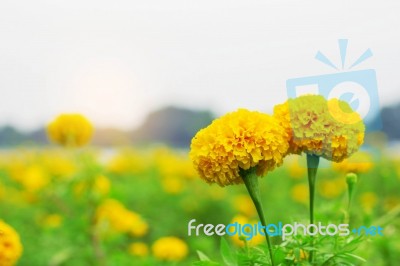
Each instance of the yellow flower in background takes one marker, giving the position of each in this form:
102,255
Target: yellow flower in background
138,249
244,205
71,130
368,201
172,184
52,220
101,185
238,140
360,162
112,214
254,241
170,249
57,164
10,245
128,161
391,202
330,129
296,171
33,178
172,163
332,188
300,193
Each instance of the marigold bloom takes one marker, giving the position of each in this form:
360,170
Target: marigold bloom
33,178
114,215
368,201
360,162
10,245
331,188
330,129
101,185
52,220
70,130
170,249
238,140
138,249
242,220
244,205
300,193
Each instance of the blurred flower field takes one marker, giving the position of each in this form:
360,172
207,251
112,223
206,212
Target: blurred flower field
131,206
80,205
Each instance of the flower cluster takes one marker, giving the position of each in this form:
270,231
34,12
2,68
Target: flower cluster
72,130
238,140
10,245
330,129
112,214
170,249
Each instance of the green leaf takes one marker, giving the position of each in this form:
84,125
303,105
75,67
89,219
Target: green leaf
279,256
226,253
202,256
355,257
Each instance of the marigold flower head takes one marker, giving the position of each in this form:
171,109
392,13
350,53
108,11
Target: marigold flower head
244,205
330,129
170,249
113,215
239,222
52,220
360,162
368,201
138,249
238,140
10,245
70,130
300,193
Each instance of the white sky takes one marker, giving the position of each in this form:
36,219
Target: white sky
115,61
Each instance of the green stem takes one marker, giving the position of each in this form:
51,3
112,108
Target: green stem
312,167
250,179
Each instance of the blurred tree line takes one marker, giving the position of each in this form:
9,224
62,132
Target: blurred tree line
170,125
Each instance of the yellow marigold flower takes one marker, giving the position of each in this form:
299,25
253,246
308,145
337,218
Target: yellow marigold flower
52,220
101,185
330,129
172,163
128,161
170,249
256,239
138,249
244,204
34,178
58,165
360,162
172,184
296,171
113,215
10,245
238,140
70,130
368,201
332,188
300,193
